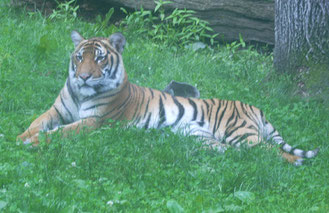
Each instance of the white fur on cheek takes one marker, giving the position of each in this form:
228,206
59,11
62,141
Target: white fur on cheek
110,84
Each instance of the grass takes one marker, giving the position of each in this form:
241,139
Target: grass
133,170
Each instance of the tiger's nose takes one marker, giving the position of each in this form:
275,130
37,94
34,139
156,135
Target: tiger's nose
85,76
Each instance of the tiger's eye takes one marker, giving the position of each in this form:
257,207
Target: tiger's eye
100,58
79,57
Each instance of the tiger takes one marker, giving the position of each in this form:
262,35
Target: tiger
97,90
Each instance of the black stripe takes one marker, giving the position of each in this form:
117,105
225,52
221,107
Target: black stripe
236,110
69,89
146,126
240,138
282,145
220,118
292,150
231,142
50,125
60,116
233,124
122,106
252,127
273,131
116,68
72,64
226,134
252,109
210,114
107,47
212,101
105,65
207,105
244,110
60,95
136,99
303,153
164,95
151,91
97,45
96,105
262,114
140,102
118,115
253,113
147,107
162,113
201,123
101,42
112,110
195,109
181,110
246,113
127,99
99,95
231,104
277,136
137,120
133,86
218,108
111,64
230,118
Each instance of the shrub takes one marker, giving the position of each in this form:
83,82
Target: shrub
178,28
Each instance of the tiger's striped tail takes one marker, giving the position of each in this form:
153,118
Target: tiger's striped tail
293,155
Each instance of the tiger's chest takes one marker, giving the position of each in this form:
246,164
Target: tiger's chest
89,109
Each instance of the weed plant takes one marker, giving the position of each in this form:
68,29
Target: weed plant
132,170
178,28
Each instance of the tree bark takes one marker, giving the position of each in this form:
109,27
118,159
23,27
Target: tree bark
301,35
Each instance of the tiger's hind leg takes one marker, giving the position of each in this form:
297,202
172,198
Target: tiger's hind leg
221,143
215,145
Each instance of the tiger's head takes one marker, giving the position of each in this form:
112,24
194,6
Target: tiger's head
96,64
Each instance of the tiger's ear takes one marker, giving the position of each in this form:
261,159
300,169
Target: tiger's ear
118,41
76,38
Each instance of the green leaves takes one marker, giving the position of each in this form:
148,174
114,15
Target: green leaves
178,28
66,11
102,25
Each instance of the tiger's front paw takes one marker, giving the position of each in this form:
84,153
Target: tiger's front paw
27,139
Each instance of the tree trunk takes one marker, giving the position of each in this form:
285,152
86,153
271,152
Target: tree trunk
301,35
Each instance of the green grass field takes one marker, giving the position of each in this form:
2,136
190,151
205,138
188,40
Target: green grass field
132,170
